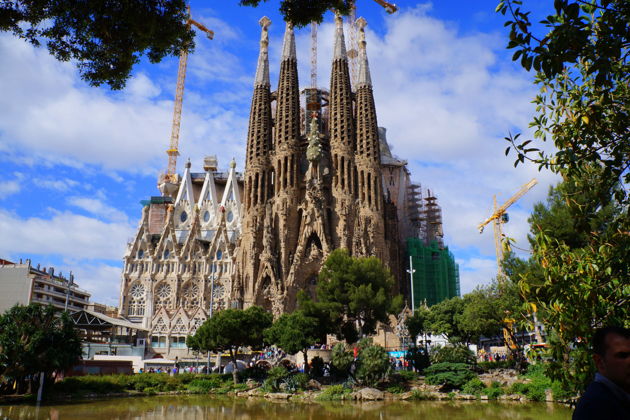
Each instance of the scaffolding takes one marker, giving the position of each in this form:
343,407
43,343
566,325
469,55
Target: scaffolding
435,274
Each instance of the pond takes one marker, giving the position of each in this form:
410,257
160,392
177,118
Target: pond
204,407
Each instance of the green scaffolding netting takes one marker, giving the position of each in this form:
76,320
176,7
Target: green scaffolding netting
436,275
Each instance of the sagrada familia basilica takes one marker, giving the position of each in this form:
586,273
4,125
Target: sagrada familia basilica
317,177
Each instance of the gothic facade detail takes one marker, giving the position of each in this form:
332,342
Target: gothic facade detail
312,184
178,268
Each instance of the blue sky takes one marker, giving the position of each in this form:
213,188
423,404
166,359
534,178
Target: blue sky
76,160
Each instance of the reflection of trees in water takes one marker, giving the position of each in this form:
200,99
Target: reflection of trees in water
202,407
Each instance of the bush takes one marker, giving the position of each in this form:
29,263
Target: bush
494,392
256,372
418,358
404,376
453,354
448,375
317,367
205,385
473,387
418,395
396,389
333,393
341,360
373,365
296,382
275,377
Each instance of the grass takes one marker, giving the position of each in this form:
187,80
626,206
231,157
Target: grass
333,393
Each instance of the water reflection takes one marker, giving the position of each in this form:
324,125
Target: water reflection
205,408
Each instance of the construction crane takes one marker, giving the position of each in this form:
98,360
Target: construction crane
500,216
353,51
167,182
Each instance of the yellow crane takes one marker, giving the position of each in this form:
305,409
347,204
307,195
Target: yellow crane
167,182
500,216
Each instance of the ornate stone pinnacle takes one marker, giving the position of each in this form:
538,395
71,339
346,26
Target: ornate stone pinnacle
262,69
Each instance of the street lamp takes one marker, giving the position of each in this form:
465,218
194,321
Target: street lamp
411,271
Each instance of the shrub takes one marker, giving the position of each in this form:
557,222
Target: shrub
404,376
256,372
333,393
519,388
418,395
275,377
341,360
494,392
205,385
418,358
396,389
373,365
448,375
499,364
317,367
296,382
473,387
453,354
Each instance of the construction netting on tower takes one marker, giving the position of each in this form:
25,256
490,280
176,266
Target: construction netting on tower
435,273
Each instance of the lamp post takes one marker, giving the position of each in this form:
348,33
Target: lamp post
411,271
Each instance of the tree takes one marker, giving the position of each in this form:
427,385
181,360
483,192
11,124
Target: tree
230,329
105,37
294,333
418,323
36,339
359,291
303,12
582,69
443,319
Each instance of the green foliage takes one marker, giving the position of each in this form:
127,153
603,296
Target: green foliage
372,365
303,12
579,237
230,329
448,375
494,391
473,386
404,376
317,367
105,38
418,357
295,332
342,360
333,393
35,339
358,291
205,385
418,323
296,382
443,319
452,354
418,395
396,389
275,377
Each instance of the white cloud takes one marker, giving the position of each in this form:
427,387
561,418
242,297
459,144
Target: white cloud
98,208
60,184
50,115
8,188
65,234
101,280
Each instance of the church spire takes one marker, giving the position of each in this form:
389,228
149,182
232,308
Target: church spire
262,69
340,43
363,78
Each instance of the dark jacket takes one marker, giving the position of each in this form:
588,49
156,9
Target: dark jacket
599,402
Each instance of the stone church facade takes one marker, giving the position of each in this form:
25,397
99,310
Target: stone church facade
310,187
318,176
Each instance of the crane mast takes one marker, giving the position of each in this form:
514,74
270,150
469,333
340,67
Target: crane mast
167,182
498,217
353,51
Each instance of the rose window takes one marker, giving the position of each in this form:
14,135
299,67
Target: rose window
137,291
